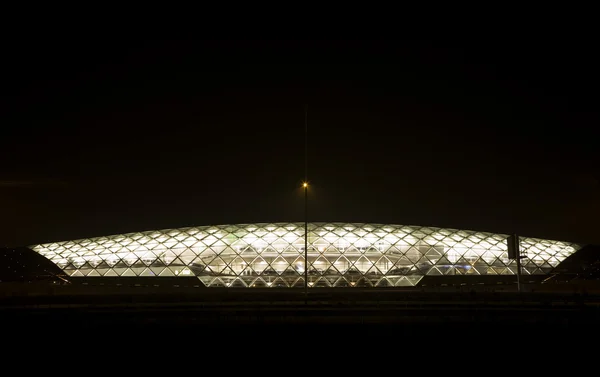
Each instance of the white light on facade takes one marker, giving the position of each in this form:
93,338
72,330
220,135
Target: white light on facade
257,253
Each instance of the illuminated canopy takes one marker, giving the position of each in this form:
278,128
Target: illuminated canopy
272,254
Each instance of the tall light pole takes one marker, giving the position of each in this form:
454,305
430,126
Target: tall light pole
305,185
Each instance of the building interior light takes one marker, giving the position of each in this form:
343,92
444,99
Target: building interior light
248,252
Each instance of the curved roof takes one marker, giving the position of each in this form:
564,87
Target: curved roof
272,254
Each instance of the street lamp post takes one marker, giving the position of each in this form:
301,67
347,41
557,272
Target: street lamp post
305,185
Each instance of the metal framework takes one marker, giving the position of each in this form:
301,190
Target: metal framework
272,255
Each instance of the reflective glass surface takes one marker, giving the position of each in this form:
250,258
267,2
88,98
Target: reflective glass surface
272,254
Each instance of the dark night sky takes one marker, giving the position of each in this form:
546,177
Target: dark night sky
103,135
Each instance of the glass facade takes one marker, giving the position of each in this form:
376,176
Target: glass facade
272,255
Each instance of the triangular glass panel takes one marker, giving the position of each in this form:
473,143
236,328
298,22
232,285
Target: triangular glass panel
402,269
137,270
159,262
217,264
547,266
178,245
481,269
177,262
177,252
383,283
335,268
120,264
199,261
413,254
157,270
280,245
414,279
434,271
443,262
321,264
128,272
433,254
363,282
209,240
85,271
351,270
342,263
497,263
64,265
187,256
462,262
389,282
228,271
404,261
177,270
444,268
85,265
320,244
363,263
125,241
119,271
349,250
111,272
298,264
493,270
298,283
279,264
239,264
497,253
94,273
153,245
474,260
290,272
166,272
321,283
237,283
259,263
189,241
148,258
130,259
340,232
374,271
342,282
466,270
147,272
278,283
384,262
258,283
424,263
206,280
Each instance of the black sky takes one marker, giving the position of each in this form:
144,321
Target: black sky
106,135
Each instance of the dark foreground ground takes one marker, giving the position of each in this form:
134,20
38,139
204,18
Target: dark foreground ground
284,315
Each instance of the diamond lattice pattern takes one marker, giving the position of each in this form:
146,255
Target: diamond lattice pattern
272,255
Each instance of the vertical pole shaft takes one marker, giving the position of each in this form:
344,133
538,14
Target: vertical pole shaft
306,240
518,271
306,200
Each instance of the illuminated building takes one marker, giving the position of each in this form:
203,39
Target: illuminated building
272,254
